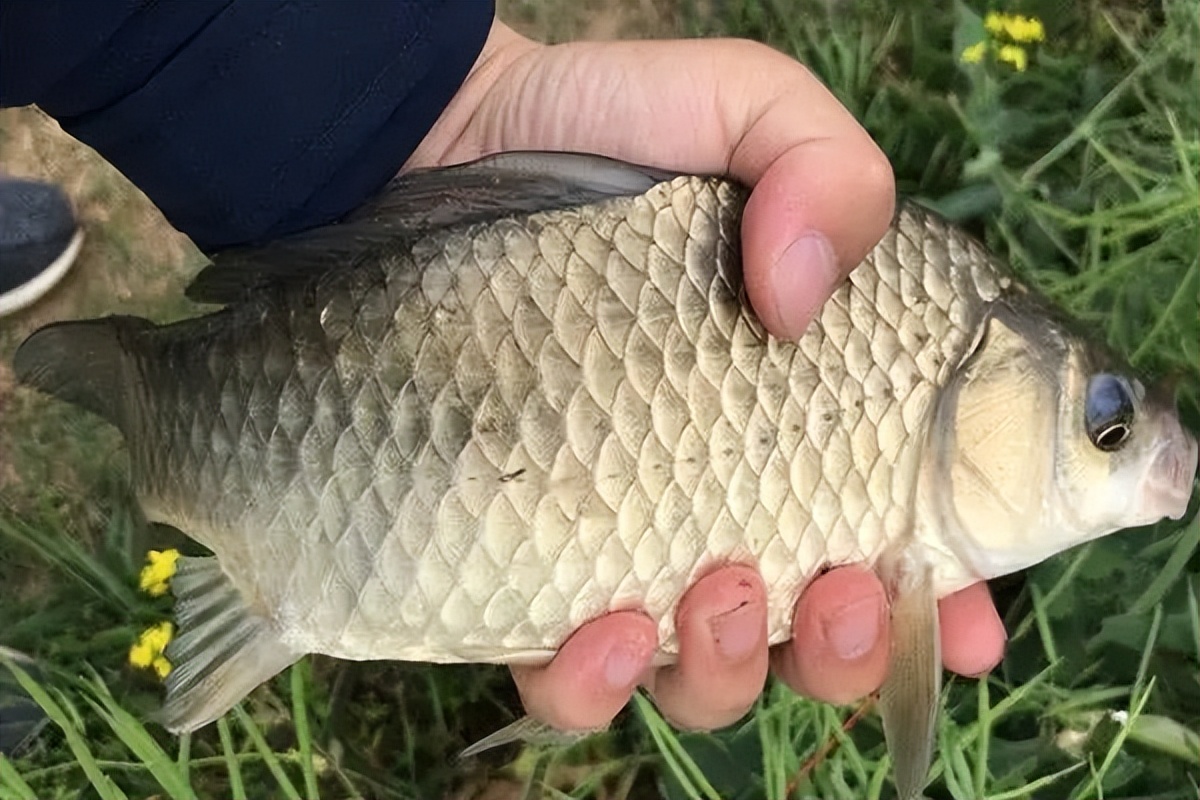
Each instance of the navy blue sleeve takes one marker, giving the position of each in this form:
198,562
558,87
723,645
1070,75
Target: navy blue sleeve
244,119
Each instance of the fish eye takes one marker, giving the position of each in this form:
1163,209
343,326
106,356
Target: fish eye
1108,411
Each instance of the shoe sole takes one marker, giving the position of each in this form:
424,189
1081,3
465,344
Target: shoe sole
31,291
21,719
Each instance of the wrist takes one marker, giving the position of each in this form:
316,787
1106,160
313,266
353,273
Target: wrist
441,145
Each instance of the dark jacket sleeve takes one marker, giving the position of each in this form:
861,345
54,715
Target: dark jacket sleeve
243,119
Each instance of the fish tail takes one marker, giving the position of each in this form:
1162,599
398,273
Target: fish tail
222,652
85,362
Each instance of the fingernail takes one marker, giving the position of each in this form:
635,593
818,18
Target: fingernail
737,633
625,664
854,629
802,278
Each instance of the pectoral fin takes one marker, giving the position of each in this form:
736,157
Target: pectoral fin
909,699
526,729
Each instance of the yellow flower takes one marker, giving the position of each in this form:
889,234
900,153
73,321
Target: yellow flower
975,53
1015,55
147,651
156,575
1014,26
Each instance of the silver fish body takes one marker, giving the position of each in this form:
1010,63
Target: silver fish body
469,447
460,437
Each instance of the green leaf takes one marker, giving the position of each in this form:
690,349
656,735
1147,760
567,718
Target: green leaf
1167,736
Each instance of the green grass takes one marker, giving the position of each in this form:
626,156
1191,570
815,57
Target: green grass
1082,170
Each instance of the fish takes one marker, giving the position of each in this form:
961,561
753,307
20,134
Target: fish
509,396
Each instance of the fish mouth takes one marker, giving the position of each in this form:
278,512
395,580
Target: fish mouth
1167,488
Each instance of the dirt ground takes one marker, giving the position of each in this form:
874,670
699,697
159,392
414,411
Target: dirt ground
132,262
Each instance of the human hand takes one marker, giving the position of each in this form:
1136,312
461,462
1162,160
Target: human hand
822,196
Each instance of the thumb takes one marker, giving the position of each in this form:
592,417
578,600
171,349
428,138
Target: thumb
822,191
821,199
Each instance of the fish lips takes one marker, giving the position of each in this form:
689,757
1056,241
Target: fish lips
1167,486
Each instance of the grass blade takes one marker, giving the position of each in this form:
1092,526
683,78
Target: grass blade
1166,577
184,759
268,755
1029,789
61,717
1193,596
236,787
1148,650
983,742
135,736
66,554
682,765
11,781
1045,630
299,682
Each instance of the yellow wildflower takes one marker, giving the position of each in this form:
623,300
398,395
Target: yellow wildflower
1005,34
1015,55
156,575
162,667
1015,27
975,53
147,651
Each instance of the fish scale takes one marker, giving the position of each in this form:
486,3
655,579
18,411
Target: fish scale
589,419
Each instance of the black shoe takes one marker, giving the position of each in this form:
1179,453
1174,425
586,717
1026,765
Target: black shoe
21,719
39,239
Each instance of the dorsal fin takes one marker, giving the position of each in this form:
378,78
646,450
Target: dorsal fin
490,188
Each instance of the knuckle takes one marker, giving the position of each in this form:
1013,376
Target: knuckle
877,179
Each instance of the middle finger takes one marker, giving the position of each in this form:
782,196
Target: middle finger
723,656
